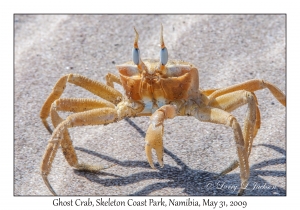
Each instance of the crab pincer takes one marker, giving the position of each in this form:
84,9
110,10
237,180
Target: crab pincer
154,135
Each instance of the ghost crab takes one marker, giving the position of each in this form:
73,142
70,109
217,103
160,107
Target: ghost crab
161,89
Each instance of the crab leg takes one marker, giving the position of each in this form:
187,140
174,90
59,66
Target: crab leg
97,88
92,117
251,86
208,91
73,105
154,135
79,104
230,102
111,78
76,105
219,116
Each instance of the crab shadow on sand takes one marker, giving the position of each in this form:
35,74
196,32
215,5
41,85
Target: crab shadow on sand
193,182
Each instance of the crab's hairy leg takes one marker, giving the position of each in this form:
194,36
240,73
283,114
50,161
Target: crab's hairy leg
91,117
108,93
208,92
80,104
73,105
111,78
251,86
48,157
55,94
219,116
258,120
154,135
232,101
97,88
76,105
65,142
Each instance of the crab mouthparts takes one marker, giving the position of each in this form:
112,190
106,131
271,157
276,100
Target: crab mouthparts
151,71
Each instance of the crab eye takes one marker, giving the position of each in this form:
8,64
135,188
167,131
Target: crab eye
136,56
164,56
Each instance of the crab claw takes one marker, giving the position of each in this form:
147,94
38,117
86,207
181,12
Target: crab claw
154,135
154,141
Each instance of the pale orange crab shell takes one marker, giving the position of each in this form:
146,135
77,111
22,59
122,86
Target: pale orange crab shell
179,80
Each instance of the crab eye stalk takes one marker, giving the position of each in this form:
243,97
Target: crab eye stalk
135,51
163,51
